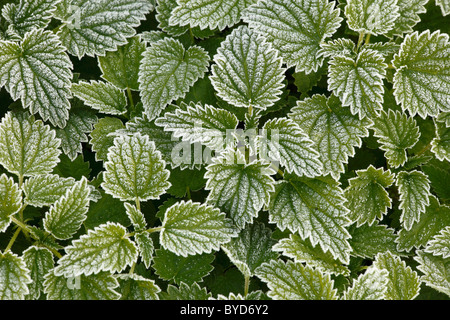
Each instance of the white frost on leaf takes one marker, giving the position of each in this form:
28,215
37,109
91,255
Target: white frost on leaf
10,200
370,285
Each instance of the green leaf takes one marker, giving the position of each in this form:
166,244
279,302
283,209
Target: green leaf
435,271
371,16
146,247
302,251
15,277
106,209
421,81
439,173
185,181
414,190
247,71
93,287
191,228
204,14
190,269
45,189
239,188
294,281
39,261
186,292
439,245
135,170
333,129
135,287
440,145
367,197
251,248
136,217
167,72
92,28
444,117
358,82
101,96
396,132
68,213
445,6
284,141
403,283
102,138
121,67
10,200
370,285
338,47
105,248
408,16
27,146
38,72
295,28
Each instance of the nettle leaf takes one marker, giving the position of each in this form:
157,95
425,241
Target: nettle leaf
295,28
421,80
396,132
440,145
39,261
435,271
68,213
247,71
409,11
27,146
14,275
333,129
414,190
431,222
146,247
358,82
185,292
92,287
10,200
94,27
370,285
439,245
403,283
294,281
38,71
105,248
338,47
45,189
303,251
204,14
191,228
445,6
371,16
285,142
167,72
136,216
102,96
102,137
444,117
134,169
199,123
251,248
135,287
239,188
366,194
315,209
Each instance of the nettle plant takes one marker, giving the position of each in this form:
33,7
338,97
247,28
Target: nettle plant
193,149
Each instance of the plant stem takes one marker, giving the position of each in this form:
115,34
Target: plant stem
188,193
360,40
246,284
138,204
14,237
130,97
367,38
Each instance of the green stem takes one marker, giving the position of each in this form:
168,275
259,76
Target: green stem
188,193
367,39
13,239
425,149
130,97
246,284
360,40
138,204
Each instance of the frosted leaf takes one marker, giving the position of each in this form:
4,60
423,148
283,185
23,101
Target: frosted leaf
295,28
135,170
366,194
38,71
414,190
247,71
199,123
92,287
102,96
136,216
333,129
445,6
403,283
146,247
167,72
444,117
409,11
239,188
303,251
436,271
94,27
102,137
14,276
294,281
27,146
358,82
105,248
43,190
251,248
314,208
439,245
213,14
191,228
134,287
337,47
371,16
370,285
440,145
422,77
396,132
39,261
68,213
10,200
185,292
